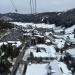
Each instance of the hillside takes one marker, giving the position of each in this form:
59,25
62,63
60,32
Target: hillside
66,19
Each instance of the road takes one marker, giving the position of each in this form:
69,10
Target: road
18,60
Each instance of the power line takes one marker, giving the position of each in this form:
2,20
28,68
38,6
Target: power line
33,6
13,4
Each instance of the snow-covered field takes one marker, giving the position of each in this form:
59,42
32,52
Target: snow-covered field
40,25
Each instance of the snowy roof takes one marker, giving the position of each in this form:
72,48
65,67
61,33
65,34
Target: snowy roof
41,54
59,68
49,51
16,43
71,52
36,69
1,43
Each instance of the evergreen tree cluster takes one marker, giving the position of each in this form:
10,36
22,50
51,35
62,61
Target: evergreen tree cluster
5,25
7,51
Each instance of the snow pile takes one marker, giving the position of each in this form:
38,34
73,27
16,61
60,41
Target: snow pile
36,69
